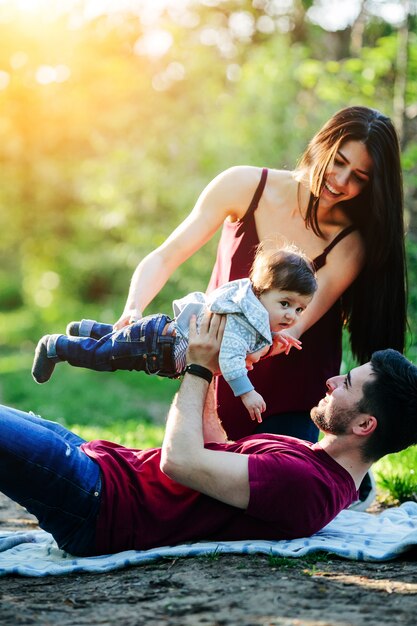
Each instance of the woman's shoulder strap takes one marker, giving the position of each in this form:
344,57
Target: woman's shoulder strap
320,260
344,233
258,193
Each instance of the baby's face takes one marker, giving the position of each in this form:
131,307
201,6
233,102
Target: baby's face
284,307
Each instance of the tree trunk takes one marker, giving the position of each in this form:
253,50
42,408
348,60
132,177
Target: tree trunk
401,75
357,32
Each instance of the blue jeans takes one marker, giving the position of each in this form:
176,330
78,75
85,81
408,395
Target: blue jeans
295,424
142,346
43,469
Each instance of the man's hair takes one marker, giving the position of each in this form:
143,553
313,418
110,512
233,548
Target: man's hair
391,397
285,268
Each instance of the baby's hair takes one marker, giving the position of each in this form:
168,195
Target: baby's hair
285,268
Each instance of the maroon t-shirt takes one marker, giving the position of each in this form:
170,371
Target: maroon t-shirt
296,488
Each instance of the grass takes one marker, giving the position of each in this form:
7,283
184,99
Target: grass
312,560
396,475
212,556
281,562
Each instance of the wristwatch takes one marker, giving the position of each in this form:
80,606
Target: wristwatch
200,371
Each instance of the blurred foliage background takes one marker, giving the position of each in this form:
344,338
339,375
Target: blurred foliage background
115,115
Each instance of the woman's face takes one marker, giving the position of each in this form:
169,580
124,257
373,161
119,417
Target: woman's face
348,175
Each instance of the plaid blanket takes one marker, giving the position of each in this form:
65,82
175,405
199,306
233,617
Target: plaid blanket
352,535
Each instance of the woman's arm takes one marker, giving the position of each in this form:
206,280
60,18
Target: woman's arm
227,196
342,267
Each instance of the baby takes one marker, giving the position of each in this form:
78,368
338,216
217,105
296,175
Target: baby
259,310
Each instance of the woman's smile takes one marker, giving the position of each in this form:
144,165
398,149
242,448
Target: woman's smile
332,190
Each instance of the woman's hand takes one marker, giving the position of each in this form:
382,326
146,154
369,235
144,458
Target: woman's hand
227,196
128,317
283,342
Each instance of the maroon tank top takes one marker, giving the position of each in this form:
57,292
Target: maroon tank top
287,383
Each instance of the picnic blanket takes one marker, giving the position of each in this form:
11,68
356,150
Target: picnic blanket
352,535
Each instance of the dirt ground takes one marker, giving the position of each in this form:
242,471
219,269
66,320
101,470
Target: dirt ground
219,591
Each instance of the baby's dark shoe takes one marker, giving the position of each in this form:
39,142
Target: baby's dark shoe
43,366
73,329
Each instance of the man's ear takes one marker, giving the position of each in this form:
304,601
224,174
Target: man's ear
365,425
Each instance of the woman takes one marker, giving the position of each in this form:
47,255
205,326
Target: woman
343,206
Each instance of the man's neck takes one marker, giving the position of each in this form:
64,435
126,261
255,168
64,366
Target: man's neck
345,451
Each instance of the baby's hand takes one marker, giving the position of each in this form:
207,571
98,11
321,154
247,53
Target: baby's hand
254,403
286,341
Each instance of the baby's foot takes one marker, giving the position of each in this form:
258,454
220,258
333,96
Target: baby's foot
43,366
73,329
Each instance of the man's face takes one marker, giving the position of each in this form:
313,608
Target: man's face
336,410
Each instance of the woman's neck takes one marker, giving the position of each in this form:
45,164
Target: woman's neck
330,218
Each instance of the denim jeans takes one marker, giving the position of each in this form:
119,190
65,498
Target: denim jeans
293,424
96,330
140,346
43,469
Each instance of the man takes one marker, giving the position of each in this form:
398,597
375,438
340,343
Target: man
100,497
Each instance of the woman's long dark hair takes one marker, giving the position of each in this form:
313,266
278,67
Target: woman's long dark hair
375,306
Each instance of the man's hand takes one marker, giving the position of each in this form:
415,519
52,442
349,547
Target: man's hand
204,346
254,403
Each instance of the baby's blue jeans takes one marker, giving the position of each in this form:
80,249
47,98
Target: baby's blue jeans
142,346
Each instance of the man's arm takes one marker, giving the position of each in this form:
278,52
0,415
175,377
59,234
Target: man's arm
221,475
212,426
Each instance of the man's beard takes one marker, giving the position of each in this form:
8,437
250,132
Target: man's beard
334,424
